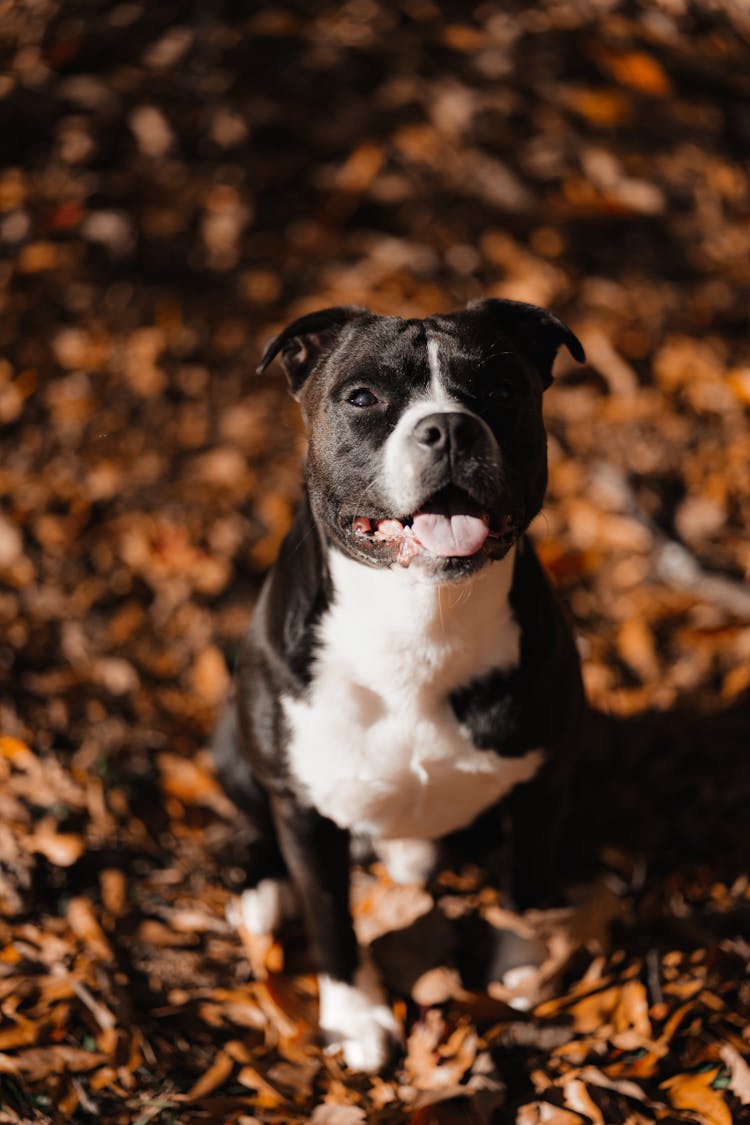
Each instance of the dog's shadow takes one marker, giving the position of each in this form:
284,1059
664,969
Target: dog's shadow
660,805
671,787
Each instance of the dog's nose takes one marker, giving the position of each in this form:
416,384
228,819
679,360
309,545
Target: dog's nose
448,431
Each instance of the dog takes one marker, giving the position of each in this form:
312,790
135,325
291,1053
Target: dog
409,677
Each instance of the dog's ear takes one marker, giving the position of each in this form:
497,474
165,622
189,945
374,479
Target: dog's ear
535,332
304,341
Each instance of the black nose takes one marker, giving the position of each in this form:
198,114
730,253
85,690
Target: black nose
444,432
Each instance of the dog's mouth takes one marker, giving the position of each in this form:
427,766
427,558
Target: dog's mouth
449,525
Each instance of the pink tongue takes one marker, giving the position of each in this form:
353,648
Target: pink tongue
450,535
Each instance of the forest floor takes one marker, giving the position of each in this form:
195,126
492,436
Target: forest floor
178,181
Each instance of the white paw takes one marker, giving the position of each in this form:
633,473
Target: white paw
263,908
523,983
356,1019
408,861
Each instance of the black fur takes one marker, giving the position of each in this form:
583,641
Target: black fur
500,359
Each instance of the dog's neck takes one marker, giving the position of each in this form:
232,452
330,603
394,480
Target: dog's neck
406,611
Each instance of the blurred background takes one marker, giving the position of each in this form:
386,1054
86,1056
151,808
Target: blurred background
179,180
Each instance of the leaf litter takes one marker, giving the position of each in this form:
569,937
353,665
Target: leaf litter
175,187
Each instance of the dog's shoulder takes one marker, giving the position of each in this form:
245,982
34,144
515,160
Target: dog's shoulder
294,597
276,656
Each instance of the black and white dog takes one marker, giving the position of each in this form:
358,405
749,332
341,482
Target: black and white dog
408,677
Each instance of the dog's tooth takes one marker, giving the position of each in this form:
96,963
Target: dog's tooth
361,525
408,548
389,529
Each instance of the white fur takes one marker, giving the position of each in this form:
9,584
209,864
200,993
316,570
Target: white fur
437,386
263,908
356,1019
374,740
407,861
523,979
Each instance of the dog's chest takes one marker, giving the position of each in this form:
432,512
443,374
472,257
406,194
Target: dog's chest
374,742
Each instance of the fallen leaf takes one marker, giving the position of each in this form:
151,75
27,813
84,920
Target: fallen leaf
329,1114
544,1113
40,1062
211,1079
693,1092
739,1072
85,925
60,848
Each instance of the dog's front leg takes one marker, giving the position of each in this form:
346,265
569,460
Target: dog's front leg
353,1012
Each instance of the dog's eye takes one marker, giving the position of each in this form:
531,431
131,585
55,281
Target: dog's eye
362,397
503,390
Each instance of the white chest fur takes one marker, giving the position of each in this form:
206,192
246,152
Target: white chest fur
375,741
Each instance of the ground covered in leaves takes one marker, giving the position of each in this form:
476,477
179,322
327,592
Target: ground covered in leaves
178,180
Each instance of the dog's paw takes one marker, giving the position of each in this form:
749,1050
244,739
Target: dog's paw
522,985
408,861
262,909
356,1019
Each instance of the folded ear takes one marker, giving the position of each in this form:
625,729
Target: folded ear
303,342
534,331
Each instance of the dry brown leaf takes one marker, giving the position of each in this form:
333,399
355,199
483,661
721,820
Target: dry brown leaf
605,106
15,750
114,890
437,986
462,37
595,1077
209,677
360,169
693,1092
85,925
268,1097
380,906
545,1113
620,1008
40,1062
635,643
153,932
264,952
739,1072
578,1098
636,69
191,780
22,1033
60,848
331,1114
434,1062
211,1079
293,1010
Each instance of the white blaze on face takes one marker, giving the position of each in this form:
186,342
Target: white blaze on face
438,390
400,475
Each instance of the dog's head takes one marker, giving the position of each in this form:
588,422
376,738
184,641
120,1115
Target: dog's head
426,441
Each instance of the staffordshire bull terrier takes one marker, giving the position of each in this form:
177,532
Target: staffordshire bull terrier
408,678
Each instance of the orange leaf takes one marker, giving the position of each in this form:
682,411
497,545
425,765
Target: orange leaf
13,747
693,1092
60,848
84,924
604,107
215,1076
639,71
